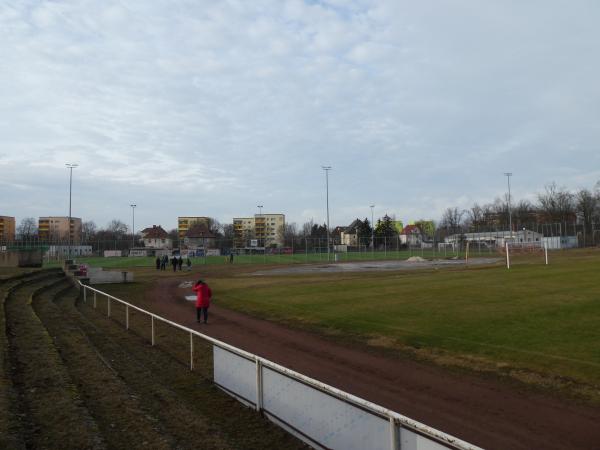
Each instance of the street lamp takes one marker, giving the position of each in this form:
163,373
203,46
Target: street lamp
260,207
70,166
327,169
133,225
508,175
372,231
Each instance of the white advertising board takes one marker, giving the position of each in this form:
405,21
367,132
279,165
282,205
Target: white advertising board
331,422
235,373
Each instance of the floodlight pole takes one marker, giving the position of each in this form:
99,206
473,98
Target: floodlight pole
133,225
372,231
508,175
260,207
70,166
327,169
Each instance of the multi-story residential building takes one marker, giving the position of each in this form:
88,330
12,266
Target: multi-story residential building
7,229
57,228
185,223
265,229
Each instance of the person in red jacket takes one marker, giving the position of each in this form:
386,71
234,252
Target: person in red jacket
203,295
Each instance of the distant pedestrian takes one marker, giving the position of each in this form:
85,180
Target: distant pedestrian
165,260
158,263
188,264
180,262
203,296
174,262
231,258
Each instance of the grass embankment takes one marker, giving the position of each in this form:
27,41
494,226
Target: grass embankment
79,380
52,413
539,324
10,429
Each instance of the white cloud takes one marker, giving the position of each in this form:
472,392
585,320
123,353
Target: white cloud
418,106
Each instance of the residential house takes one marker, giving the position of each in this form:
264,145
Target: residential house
185,223
350,234
199,236
411,235
156,237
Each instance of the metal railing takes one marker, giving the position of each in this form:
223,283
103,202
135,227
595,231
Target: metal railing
397,422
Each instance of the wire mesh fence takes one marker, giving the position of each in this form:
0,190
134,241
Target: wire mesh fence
444,243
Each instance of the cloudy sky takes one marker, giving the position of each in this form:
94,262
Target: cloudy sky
212,108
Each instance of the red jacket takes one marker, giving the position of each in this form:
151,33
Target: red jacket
203,295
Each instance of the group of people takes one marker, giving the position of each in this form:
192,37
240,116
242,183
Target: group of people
176,262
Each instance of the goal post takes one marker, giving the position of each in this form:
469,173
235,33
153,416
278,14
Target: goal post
524,248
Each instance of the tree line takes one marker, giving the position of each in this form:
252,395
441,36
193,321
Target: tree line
555,205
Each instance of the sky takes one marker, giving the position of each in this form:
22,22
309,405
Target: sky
212,108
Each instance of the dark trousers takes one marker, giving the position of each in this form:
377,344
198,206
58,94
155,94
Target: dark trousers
204,311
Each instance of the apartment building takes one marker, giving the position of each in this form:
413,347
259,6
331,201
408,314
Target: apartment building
7,229
57,228
262,230
185,223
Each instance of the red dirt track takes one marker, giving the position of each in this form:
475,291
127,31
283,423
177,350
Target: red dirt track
487,413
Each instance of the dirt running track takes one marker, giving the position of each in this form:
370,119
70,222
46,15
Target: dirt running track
481,411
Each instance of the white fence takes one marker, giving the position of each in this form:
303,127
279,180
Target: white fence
322,416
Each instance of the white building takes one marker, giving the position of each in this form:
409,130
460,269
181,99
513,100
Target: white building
156,237
497,238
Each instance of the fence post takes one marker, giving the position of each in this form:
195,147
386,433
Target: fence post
259,386
127,317
507,256
152,330
94,299
107,306
546,251
84,294
393,435
191,351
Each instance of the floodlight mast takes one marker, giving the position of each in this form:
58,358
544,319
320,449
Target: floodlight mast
260,207
70,166
372,231
327,169
133,225
508,175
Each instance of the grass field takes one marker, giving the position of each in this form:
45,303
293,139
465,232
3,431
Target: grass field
539,324
297,258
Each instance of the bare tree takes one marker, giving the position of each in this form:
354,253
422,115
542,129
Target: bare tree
88,230
214,226
289,232
588,207
556,204
475,216
307,228
27,229
452,219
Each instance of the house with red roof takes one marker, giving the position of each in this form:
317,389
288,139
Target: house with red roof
411,235
156,237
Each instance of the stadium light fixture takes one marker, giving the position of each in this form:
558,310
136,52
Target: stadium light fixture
372,231
70,166
508,175
133,225
327,169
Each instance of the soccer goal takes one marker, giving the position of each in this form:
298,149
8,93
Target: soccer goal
524,248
